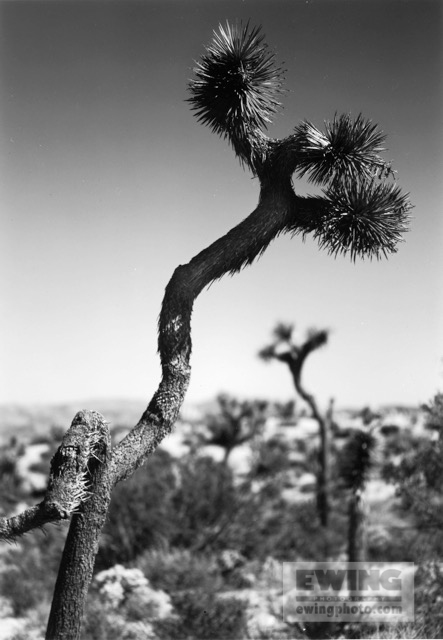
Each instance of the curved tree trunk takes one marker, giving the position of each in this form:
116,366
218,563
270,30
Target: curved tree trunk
324,425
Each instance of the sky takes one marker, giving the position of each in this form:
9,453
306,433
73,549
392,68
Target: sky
108,182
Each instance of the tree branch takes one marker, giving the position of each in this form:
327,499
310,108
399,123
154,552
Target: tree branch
32,518
82,447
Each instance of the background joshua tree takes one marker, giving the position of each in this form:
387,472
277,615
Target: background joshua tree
235,92
355,466
234,423
294,356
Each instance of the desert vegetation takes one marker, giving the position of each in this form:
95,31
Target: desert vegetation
190,546
193,545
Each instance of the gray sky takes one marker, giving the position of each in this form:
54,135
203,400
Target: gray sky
108,183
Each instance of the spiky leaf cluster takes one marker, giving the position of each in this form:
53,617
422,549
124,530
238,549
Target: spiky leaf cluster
236,83
357,460
362,218
363,215
348,150
235,92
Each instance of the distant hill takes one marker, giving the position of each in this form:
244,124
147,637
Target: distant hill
26,421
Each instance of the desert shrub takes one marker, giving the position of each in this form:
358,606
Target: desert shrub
271,457
410,630
401,443
215,511
180,569
428,599
421,629
192,503
98,624
292,531
419,479
196,503
206,503
204,615
19,586
141,515
124,605
29,569
393,544
10,482
101,624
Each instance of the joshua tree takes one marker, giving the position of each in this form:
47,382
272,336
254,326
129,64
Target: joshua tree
235,423
356,463
294,356
235,92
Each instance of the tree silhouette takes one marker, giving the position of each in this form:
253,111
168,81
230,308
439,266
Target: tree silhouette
294,356
235,92
235,423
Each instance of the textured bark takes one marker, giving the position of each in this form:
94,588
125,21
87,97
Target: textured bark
77,564
32,518
69,478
